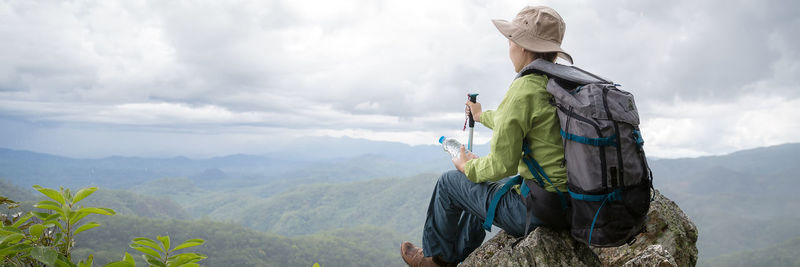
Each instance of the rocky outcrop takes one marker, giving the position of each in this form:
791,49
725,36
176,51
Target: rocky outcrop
669,241
542,247
667,226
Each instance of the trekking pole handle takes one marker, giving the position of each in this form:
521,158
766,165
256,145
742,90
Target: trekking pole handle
474,99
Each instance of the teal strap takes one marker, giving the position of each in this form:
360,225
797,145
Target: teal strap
591,230
605,141
523,189
638,135
487,223
538,173
613,196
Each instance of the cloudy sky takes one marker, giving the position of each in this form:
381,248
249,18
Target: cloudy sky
207,78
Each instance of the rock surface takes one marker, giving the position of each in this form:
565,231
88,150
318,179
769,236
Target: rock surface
667,226
669,241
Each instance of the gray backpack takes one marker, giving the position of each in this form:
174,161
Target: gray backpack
608,178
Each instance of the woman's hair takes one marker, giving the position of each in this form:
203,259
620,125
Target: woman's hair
549,56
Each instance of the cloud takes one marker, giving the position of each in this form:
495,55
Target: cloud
386,70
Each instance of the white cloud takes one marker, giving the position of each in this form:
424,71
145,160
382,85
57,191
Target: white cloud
389,70
703,128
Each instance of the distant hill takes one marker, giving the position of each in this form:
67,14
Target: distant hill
395,203
233,245
740,202
123,202
321,159
14,192
783,254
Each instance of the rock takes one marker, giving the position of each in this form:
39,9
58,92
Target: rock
542,247
667,226
654,255
669,241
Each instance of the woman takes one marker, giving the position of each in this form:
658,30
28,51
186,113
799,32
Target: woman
459,203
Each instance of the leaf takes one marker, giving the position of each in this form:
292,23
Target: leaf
48,206
86,226
87,263
63,262
53,194
119,264
102,211
14,250
6,230
12,238
190,243
127,258
83,193
80,215
153,261
147,242
67,194
22,220
180,260
44,255
41,215
127,261
146,250
36,230
164,242
46,216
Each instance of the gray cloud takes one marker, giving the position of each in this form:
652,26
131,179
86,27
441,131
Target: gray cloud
373,66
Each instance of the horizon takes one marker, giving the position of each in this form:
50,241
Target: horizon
478,147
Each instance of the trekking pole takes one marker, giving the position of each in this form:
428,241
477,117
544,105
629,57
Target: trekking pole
472,98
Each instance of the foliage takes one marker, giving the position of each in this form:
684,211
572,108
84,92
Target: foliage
38,238
162,254
229,244
47,238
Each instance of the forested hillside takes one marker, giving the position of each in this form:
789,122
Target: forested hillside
229,244
742,204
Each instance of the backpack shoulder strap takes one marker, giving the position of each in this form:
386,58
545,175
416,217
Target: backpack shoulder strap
563,72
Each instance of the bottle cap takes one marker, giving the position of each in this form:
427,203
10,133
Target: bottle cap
441,140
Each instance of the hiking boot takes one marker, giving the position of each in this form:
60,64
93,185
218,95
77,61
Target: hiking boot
414,257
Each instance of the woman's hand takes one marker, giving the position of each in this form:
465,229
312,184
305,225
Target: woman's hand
475,108
463,158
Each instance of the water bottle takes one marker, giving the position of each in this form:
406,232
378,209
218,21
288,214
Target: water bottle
451,145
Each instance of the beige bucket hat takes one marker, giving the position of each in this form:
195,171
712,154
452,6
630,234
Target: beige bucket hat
538,29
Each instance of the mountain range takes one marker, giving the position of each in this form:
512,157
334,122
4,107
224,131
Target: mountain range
742,203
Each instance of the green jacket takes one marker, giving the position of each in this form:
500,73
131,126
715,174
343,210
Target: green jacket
525,112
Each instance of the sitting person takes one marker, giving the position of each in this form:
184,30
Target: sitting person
458,206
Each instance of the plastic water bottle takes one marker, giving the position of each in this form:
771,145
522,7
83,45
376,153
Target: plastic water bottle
451,145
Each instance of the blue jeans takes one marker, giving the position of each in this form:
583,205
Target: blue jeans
457,210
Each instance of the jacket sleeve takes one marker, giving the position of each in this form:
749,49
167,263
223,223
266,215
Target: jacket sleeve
510,126
487,119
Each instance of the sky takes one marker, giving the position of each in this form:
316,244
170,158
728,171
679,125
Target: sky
211,78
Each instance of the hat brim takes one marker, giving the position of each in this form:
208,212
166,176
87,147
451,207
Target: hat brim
529,41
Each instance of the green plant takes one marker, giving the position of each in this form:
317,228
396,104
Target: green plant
46,238
162,254
67,215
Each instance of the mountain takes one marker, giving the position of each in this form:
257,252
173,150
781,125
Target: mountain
394,203
740,202
321,159
228,244
783,254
